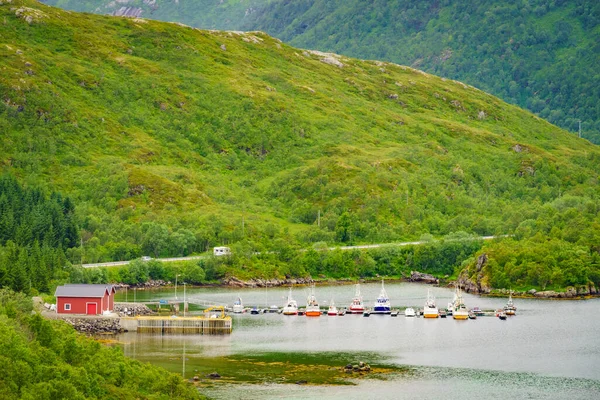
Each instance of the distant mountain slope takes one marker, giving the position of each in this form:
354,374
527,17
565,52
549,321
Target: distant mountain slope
537,54
172,139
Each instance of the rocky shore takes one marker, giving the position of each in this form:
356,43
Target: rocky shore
258,283
95,325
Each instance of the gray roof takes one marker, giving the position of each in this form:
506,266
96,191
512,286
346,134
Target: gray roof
82,290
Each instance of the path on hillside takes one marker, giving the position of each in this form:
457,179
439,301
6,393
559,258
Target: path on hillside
363,246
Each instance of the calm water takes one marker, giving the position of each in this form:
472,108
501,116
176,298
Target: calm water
549,350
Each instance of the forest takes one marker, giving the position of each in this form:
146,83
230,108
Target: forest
135,138
536,54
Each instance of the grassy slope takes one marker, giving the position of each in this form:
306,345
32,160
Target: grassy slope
535,54
146,121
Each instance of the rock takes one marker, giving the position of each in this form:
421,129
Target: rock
416,276
196,378
532,292
214,375
393,96
223,47
481,261
301,382
348,366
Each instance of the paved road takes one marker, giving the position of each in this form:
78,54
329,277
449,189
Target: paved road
364,246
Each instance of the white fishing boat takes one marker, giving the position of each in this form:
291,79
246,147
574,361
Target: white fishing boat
312,306
332,311
382,304
238,306
357,306
291,307
430,310
510,308
410,312
460,311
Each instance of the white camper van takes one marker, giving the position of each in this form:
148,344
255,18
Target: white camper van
221,251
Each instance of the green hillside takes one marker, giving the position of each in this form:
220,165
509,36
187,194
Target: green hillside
537,54
170,140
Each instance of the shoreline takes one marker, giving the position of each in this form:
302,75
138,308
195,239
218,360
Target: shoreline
570,293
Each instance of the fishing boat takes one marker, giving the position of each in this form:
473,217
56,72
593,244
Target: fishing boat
382,303
291,307
357,306
312,306
510,308
332,311
430,310
410,312
238,306
460,311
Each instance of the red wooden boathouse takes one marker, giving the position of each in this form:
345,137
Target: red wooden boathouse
84,299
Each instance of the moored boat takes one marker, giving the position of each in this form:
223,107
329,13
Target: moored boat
460,311
357,306
291,307
382,303
510,308
443,313
477,311
501,314
238,306
332,311
255,311
410,312
312,306
472,315
430,310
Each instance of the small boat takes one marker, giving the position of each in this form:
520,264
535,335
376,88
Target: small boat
255,311
410,312
366,313
357,306
472,315
460,310
238,306
443,313
332,311
501,314
301,311
312,306
341,312
273,309
291,307
382,304
510,308
394,313
477,311
430,310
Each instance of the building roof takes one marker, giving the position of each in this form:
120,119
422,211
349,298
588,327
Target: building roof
83,290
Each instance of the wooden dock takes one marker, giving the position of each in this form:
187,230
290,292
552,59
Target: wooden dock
204,325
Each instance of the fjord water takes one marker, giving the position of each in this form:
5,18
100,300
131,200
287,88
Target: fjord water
549,349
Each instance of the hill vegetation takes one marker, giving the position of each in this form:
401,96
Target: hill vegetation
536,54
169,140
46,359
